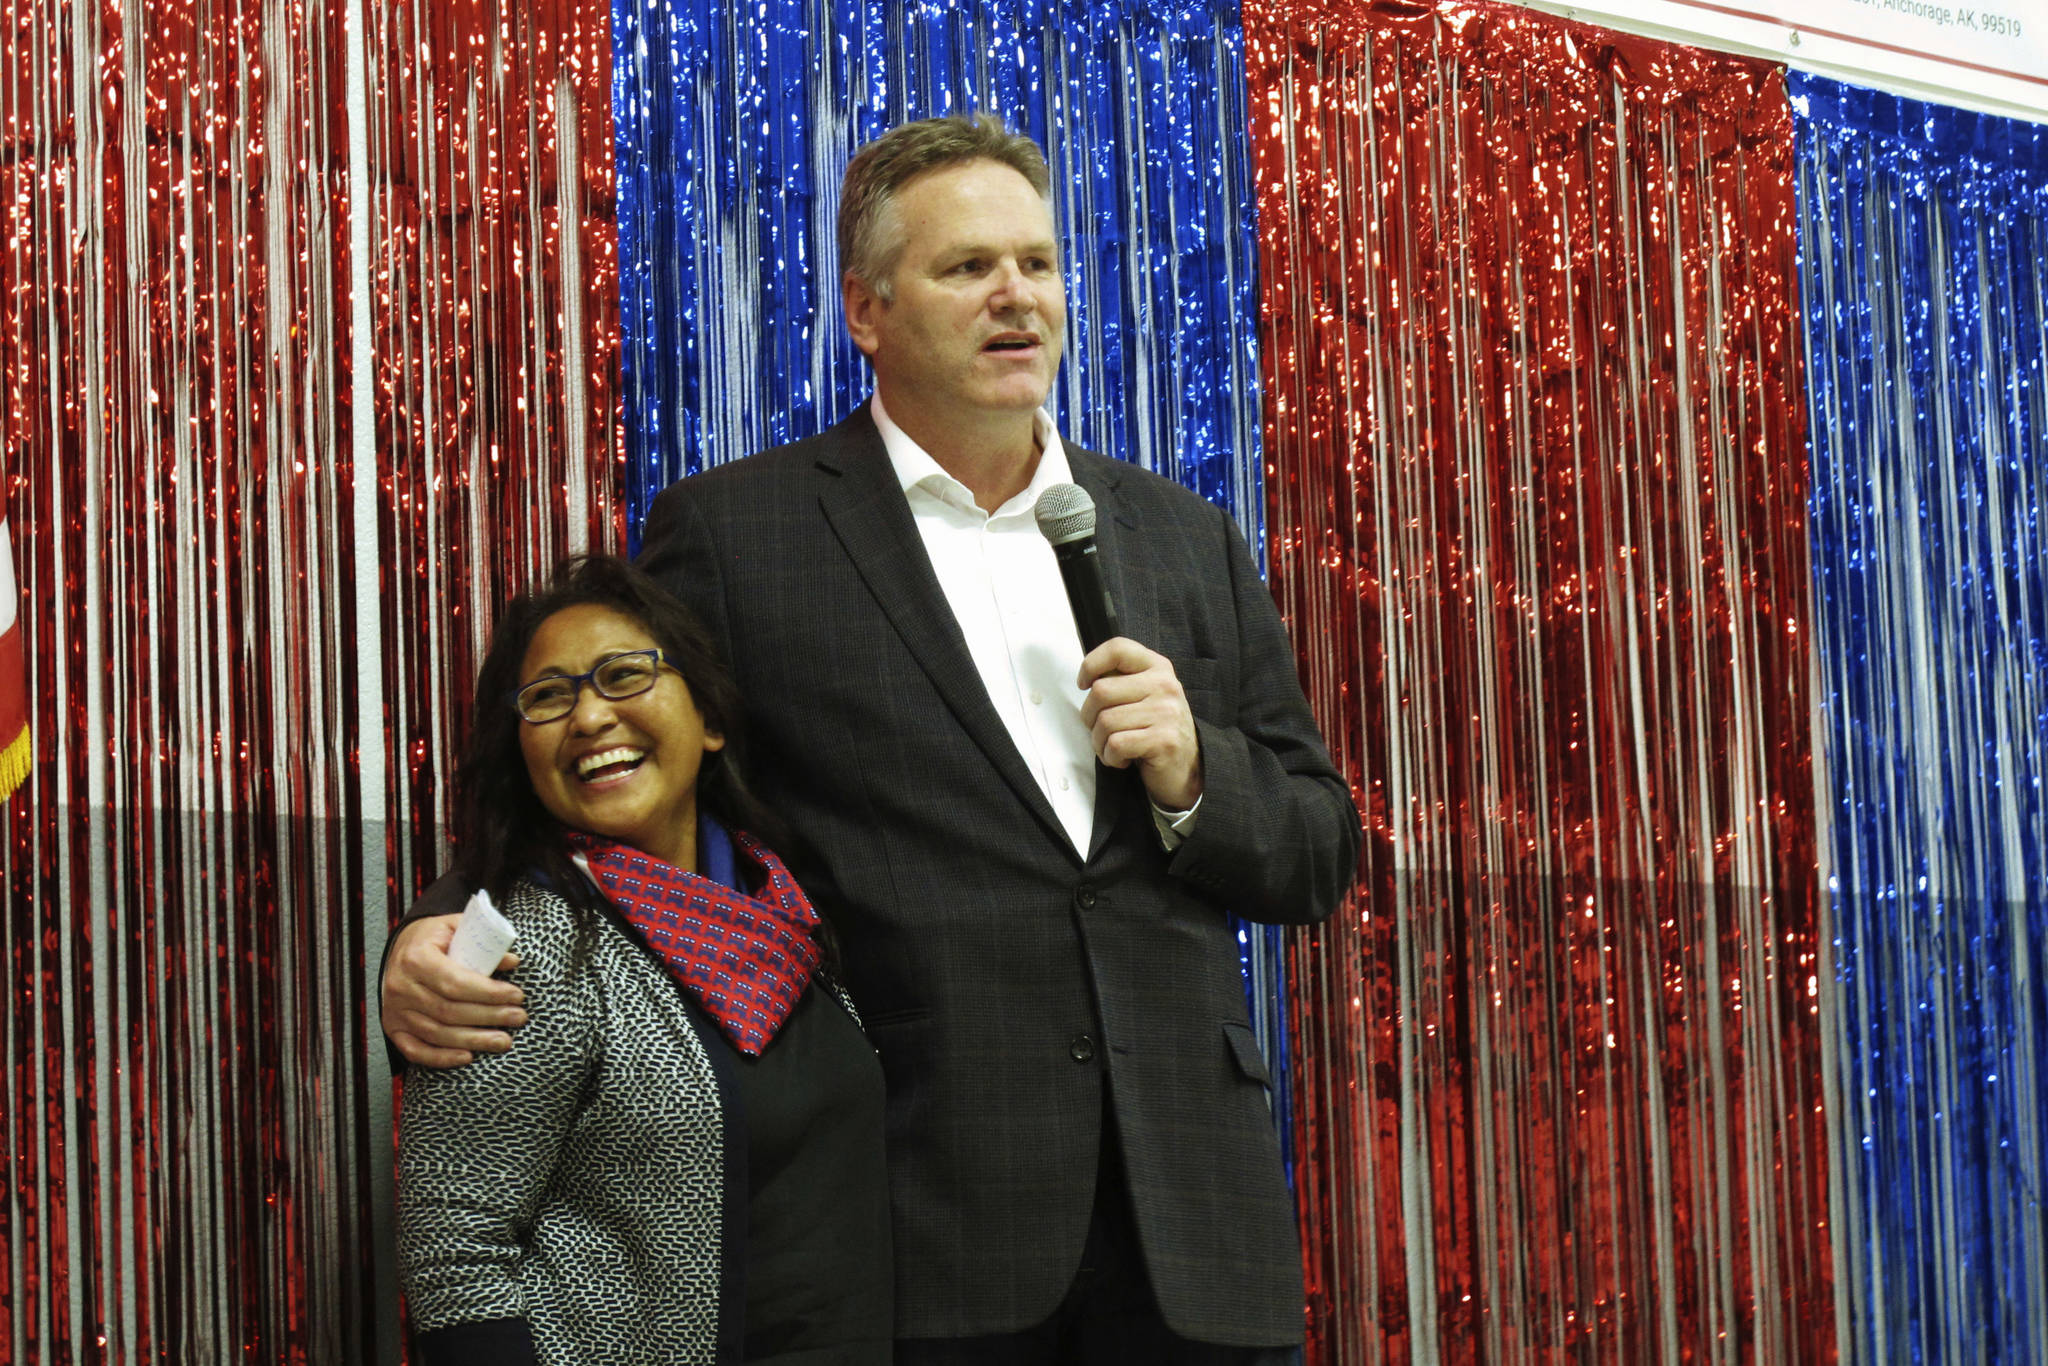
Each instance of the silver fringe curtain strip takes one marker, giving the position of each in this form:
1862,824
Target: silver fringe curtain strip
302,370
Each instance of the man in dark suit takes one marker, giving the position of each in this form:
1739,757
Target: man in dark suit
1028,854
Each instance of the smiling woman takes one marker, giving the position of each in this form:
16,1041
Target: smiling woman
683,1150
619,757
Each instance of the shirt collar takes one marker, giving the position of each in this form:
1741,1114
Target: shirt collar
916,469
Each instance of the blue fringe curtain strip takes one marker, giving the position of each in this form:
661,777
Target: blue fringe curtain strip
733,129
1925,281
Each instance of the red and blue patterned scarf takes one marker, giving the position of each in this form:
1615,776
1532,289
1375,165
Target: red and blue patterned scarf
746,959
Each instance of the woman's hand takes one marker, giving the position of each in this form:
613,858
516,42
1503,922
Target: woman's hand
438,1013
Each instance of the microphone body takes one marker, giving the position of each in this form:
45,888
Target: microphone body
1087,592
1066,517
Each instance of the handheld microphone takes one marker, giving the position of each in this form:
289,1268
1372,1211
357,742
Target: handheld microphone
1066,517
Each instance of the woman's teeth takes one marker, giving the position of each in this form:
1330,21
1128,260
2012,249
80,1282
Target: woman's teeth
609,763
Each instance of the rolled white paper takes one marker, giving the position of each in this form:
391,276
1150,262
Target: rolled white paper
481,936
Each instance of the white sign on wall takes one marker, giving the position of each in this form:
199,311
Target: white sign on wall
1984,53
1992,36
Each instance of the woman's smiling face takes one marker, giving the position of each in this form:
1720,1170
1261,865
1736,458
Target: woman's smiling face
623,768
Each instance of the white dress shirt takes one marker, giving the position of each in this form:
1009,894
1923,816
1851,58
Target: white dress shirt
1000,578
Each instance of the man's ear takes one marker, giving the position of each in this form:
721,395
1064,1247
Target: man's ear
863,309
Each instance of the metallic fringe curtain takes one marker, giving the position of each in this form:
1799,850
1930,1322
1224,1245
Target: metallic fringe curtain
1924,257
734,131
1538,523
492,276
187,1100
301,372
321,337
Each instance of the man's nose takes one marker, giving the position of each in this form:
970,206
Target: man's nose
1010,287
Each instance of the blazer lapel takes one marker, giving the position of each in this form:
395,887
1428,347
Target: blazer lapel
867,511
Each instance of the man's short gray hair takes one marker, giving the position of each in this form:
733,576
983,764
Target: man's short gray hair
899,156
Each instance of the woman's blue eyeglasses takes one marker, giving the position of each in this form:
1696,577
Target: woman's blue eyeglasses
621,676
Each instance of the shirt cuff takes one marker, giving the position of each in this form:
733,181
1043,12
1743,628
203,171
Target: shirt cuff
1173,826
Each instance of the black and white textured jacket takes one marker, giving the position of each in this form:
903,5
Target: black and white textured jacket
580,1181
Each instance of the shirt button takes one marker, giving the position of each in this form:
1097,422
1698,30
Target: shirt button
1064,784
1037,698
1082,1048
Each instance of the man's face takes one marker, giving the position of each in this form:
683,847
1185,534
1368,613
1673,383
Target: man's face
979,313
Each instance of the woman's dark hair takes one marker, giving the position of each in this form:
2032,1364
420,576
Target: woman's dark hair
502,831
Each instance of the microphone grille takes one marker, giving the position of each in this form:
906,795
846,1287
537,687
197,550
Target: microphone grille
1065,513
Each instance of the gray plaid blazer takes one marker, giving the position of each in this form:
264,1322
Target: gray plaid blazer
1001,975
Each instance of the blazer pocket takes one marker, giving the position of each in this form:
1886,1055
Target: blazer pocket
1244,1050
902,1041
885,1018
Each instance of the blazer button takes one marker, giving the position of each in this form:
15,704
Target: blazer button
1082,1048
1085,899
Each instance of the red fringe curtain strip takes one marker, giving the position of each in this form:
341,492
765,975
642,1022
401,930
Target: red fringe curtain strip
1536,481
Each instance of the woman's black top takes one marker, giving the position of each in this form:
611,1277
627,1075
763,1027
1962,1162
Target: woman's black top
819,1276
